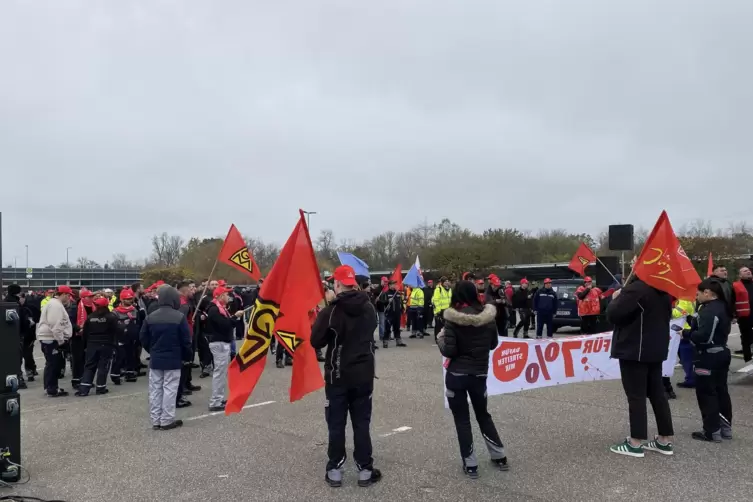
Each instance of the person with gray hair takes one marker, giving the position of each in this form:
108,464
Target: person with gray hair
166,337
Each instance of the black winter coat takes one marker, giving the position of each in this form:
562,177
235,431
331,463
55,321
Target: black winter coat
218,328
469,336
346,327
641,316
101,327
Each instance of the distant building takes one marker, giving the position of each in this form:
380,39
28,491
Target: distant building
90,278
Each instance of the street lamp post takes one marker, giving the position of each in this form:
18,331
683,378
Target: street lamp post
308,218
28,281
67,263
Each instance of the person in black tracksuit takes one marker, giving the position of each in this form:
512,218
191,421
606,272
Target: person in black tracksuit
709,333
100,333
346,327
392,303
469,334
522,302
640,315
545,306
428,307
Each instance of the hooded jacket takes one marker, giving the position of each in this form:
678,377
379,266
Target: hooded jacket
640,315
346,327
469,336
165,334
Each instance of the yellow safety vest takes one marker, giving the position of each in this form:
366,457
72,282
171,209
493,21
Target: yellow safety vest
441,299
683,308
45,301
417,298
112,301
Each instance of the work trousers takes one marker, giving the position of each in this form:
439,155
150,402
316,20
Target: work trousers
392,325
711,372
78,359
428,316
687,354
545,319
124,364
98,360
185,380
163,389
512,316
458,388
355,400
524,322
205,353
746,335
589,324
641,381
415,319
221,357
53,362
27,350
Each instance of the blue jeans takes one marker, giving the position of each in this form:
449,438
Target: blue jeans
382,318
687,354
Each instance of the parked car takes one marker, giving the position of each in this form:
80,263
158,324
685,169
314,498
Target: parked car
567,308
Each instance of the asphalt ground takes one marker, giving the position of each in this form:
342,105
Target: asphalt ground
102,448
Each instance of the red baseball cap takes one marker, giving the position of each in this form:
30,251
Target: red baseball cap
101,302
85,293
345,275
547,281
524,281
495,280
587,279
220,290
64,290
126,294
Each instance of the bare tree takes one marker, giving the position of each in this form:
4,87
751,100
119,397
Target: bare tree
166,249
119,260
84,262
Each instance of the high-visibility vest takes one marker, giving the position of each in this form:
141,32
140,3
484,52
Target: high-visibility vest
441,299
417,298
683,308
742,300
45,301
112,301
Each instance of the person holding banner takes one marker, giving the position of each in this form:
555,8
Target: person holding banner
469,335
640,315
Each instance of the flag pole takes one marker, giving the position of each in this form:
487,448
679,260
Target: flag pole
605,268
204,291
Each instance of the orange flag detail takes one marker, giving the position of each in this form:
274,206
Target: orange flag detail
582,258
291,290
397,276
235,253
664,265
710,271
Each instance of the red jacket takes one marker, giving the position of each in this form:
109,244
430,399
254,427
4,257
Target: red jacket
742,299
591,304
508,294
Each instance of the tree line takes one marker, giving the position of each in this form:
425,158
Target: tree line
445,247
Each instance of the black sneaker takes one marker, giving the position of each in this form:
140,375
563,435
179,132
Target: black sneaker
81,393
204,374
368,477
35,373
671,395
217,408
22,384
501,464
471,472
194,365
59,393
685,385
174,425
399,343
187,392
334,478
193,388
116,381
412,335
385,344
280,363
716,437
183,403
102,391
156,427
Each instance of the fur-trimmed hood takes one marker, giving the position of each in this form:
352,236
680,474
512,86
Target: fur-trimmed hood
469,317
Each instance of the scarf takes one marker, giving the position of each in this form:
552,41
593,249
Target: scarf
122,309
221,307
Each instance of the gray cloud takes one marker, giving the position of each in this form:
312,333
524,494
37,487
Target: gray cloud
121,120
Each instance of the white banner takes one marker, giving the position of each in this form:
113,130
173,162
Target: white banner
517,365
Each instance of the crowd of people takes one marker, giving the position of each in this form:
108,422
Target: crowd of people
104,334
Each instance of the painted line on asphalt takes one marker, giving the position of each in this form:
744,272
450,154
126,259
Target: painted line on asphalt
214,413
63,401
403,428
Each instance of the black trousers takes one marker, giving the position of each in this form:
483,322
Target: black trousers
280,352
53,362
641,381
356,401
524,322
392,323
711,371
438,324
502,325
746,336
415,319
78,359
27,350
98,360
458,389
428,316
205,355
512,315
185,379
589,324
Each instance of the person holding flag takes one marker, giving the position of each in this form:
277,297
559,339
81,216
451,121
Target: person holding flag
346,327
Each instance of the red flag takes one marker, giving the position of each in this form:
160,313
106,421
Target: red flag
711,266
397,276
664,265
582,258
290,291
235,253
81,314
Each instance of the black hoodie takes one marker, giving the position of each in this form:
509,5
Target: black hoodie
346,327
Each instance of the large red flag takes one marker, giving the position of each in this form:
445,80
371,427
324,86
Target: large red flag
664,265
292,288
235,253
582,258
710,271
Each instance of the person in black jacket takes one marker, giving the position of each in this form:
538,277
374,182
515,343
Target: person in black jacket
640,315
522,301
346,327
469,334
495,295
220,332
709,334
545,306
100,331
391,303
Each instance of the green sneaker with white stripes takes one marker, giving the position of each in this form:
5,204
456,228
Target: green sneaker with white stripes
659,447
625,448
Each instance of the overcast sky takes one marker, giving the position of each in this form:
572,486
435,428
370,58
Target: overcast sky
122,119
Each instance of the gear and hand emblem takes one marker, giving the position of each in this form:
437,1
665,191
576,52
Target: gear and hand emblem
242,259
260,331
